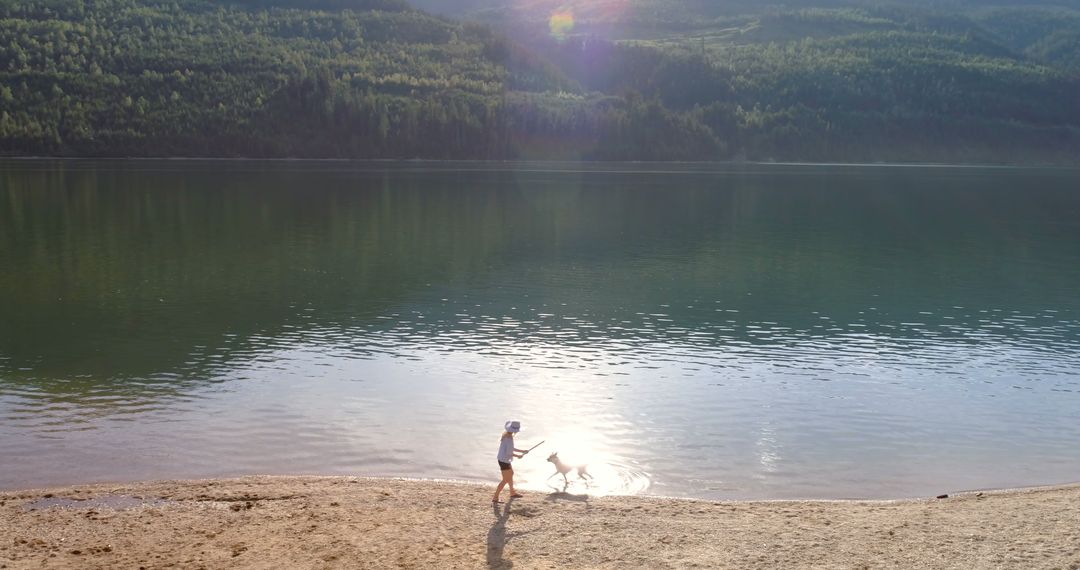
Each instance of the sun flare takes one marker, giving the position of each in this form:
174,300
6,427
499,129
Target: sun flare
561,24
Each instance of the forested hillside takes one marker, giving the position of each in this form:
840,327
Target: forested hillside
592,79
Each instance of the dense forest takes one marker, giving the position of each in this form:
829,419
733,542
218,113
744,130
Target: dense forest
821,80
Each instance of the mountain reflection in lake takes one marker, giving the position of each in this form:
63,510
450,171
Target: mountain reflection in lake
767,332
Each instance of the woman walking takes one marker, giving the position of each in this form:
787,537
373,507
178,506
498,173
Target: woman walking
507,453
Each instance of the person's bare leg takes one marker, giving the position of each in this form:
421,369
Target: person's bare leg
507,479
513,493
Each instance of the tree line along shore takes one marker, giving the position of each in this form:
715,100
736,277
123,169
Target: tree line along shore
380,79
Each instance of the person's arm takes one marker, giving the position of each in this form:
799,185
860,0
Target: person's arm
519,453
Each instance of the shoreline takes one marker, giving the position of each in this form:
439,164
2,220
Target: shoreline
348,522
63,487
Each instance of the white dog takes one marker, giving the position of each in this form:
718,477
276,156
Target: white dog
562,468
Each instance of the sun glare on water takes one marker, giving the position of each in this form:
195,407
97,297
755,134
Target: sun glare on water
609,473
585,425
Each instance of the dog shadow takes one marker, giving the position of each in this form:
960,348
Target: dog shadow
566,485
498,536
568,497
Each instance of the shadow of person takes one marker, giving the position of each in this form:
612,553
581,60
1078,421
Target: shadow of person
497,538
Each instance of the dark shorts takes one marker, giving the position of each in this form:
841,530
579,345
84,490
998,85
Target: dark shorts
504,466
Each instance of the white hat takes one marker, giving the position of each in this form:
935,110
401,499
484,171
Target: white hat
513,426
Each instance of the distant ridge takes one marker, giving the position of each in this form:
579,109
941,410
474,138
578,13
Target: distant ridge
852,81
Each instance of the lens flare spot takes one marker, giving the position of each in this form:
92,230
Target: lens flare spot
562,24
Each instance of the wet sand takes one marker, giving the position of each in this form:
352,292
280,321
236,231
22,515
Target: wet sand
321,522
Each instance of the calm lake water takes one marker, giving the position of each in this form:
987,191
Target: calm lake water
723,332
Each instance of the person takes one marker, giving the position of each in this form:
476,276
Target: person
507,453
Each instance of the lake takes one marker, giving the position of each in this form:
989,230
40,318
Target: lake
722,332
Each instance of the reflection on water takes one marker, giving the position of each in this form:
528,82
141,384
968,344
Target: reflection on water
747,332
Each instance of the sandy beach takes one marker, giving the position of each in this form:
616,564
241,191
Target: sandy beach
321,522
